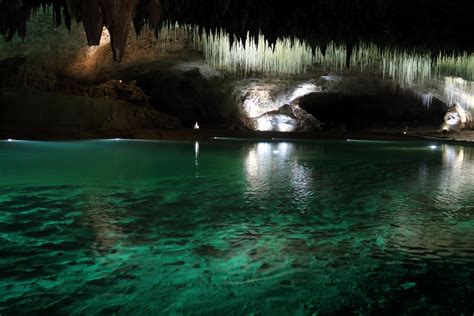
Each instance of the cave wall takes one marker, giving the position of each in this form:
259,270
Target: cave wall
24,112
49,49
358,102
192,97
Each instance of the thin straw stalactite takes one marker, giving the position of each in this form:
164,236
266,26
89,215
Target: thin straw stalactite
292,56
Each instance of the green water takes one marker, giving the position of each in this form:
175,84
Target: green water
229,227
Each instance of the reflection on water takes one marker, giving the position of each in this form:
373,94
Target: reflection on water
458,172
270,165
196,152
100,217
317,227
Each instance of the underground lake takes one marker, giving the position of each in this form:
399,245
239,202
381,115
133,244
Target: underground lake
212,227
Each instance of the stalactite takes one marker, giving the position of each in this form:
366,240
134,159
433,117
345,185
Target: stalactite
74,9
147,11
93,21
117,18
116,15
294,56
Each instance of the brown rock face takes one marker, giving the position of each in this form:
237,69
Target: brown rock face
118,16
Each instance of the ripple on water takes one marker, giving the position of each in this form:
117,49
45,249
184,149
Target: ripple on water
317,228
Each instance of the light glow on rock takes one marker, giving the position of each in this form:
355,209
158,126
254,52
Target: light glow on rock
459,91
301,91
276,123
262,101
104,41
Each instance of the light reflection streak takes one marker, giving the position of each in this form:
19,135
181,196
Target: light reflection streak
267,162
458,171
196,153
100,218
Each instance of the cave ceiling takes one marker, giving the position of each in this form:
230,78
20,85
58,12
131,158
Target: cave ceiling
428,25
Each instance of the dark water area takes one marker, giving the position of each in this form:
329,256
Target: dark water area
233,227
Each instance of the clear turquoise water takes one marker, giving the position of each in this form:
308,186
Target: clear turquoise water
230,227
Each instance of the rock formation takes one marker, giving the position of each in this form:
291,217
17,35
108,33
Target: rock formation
457,119
115,15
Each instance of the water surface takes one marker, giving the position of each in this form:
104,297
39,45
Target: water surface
271,228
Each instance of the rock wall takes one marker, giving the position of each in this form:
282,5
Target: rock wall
358,102
23,111
191,97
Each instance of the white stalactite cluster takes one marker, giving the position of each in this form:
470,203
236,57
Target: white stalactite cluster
256,55
459,91
455,66
292,57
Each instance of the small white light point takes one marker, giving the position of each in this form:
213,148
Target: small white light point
348,140
275,151
433,146
9,140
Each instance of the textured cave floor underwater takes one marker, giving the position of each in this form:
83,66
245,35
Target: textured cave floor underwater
300,228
